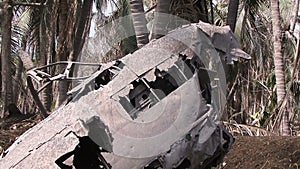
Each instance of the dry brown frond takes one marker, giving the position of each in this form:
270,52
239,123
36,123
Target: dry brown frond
245,130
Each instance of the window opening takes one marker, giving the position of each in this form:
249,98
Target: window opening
185,164
156,164
95,81
139,98
143,93
194,64
107,75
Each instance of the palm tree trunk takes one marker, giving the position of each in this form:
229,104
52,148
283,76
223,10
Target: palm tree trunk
16,82
63,48
203,13
293,24
139,22
67,40
161,19
46,47
232,13
82,27
212,19
279,65
51,28
6,23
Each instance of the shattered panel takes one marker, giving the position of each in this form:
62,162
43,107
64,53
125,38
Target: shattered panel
126,76
225,41
154,133
143,93
151,57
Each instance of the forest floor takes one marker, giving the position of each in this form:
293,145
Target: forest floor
265,152
269,152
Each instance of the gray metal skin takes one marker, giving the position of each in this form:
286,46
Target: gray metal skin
182,130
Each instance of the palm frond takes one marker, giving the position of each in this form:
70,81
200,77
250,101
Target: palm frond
20,27
245,130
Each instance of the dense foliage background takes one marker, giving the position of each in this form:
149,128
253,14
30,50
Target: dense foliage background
263,93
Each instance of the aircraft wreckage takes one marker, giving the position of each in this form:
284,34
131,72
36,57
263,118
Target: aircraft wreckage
154,108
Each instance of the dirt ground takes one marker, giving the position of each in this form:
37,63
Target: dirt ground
13,126
272,152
